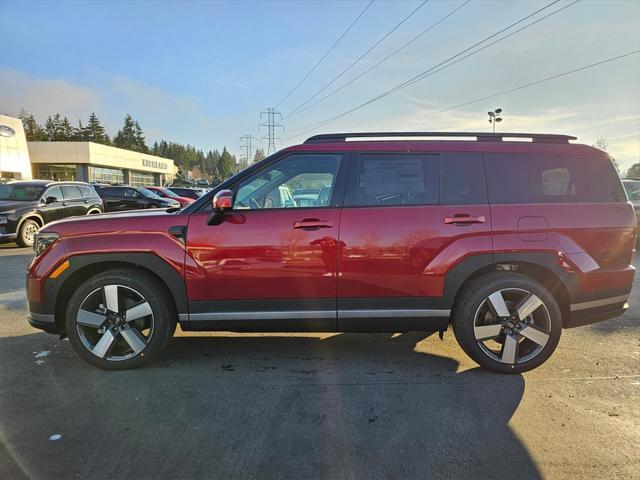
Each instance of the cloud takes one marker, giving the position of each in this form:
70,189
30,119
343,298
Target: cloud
43,97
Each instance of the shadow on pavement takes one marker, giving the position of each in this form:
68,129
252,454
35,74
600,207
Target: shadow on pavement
345,406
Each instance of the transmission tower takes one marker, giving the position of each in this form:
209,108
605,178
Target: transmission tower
247,147
270,115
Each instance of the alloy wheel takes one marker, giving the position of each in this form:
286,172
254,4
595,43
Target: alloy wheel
30,231
115,322
512,326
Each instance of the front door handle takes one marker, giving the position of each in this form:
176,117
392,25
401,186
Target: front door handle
463,219
312,224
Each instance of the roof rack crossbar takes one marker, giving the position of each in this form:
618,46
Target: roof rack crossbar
479,136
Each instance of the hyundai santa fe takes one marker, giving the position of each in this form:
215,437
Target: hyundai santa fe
508,242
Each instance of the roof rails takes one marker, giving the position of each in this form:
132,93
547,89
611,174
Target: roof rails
478,136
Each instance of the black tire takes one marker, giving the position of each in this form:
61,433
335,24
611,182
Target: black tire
25,234
474,307
160,322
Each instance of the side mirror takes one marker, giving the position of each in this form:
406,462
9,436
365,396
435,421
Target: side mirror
222,202
49,200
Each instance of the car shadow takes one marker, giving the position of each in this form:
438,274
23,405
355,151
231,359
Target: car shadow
261,406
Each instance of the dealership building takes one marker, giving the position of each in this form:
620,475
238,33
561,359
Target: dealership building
82,161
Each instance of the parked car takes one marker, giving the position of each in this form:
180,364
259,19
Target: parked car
125,197
508,242
194,193
25,206
166,193
632,186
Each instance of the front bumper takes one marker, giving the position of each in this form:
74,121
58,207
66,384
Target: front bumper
43,321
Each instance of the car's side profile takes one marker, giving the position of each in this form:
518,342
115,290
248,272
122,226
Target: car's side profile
119,198
166,193
26,206
193,193
509,242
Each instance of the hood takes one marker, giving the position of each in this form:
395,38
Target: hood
9,205
117,222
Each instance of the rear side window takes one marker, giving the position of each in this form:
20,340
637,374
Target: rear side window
551,179
463,179
398,179
71,192
87,192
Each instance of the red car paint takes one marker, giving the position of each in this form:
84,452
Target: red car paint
184,201
400,252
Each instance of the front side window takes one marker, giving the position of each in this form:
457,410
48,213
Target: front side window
297,181
398,179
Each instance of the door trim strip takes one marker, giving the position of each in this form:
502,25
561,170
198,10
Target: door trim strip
402,313
599,303
314,314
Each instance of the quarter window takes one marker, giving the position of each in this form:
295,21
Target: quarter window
398,179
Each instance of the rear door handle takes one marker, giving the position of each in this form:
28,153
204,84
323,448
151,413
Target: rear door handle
461,219
312,224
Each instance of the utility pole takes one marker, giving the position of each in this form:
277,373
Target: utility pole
247,148
270,115
494,117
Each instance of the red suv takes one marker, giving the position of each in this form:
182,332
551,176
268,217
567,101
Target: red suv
508,241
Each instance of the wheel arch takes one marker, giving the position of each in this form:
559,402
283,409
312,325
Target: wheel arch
30,216
542,268
86,266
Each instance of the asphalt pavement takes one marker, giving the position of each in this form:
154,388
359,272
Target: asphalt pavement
299,406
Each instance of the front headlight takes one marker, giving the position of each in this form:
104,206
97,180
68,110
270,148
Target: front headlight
3,219
43,240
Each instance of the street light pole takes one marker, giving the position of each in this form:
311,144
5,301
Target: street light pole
494,117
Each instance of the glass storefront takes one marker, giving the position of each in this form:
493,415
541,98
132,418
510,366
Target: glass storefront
142,179
50,171
106,175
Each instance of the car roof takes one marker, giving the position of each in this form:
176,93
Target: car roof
46,183
445,142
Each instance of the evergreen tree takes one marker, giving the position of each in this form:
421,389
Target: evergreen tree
130,136
259,155
95,132
32,130
53,129
226,165
634,171
67,132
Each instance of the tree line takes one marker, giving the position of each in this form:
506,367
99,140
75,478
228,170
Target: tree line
213,165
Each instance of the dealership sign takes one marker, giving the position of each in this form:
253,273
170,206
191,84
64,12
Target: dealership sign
154,164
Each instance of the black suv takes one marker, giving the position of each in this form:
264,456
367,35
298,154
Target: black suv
125,197
26,206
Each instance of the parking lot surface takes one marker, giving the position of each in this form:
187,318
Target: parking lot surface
315,406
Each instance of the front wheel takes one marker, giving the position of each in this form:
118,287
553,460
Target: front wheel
120,319
507,322
27,233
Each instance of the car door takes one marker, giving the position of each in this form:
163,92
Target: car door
113,198
133,200
54,205
270,264
74,203
407,219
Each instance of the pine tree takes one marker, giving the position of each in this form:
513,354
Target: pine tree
53,128
67,132
95,132
226,165
634,171
259,155
141,146
32,130
127,137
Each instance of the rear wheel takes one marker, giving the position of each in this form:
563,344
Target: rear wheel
507,322
120,319
27,233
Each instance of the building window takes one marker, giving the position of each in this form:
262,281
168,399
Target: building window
106,175
50,171
142,179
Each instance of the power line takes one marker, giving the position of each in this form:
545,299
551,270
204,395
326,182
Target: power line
325,55
428,29
270,114
444,64
530,84
413,12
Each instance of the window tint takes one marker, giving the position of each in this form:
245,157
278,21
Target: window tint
398,179
551,179
86,191
297,181
54,192
71,192
131,193
112,192
463,179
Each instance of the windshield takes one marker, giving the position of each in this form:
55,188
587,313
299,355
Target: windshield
148,193
168,192
24,193
633,189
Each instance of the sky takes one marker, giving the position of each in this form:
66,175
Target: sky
200,72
